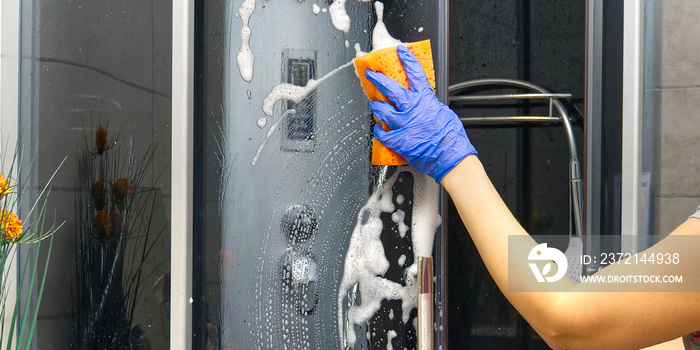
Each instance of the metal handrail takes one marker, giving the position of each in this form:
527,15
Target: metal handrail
509,119
507,97
575,183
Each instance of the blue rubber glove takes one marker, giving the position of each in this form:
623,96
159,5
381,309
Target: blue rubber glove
424,131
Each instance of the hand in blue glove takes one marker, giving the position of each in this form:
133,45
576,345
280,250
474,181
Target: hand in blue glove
428,134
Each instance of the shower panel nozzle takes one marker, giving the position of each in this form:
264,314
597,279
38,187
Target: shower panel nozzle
299,224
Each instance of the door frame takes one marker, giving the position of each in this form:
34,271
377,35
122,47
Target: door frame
181,297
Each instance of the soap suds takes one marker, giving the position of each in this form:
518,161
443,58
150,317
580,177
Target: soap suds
402,260
390,335
380,36
245,58
425,220
365,264
339,17
294,93
316,9
358,50
269,134
398,218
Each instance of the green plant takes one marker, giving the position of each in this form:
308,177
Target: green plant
29,232
115,234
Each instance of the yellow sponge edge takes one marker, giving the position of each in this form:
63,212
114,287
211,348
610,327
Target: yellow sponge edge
387,62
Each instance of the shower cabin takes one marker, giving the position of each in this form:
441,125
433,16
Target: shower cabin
277,232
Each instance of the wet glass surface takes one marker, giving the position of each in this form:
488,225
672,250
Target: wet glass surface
292,213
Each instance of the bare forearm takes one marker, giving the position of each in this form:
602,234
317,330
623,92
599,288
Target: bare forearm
484,214
490,223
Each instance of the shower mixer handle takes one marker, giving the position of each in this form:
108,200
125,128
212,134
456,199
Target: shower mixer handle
299,273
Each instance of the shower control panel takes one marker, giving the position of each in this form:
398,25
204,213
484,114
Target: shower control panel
298,67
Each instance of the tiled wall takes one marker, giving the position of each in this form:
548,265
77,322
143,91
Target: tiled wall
676,91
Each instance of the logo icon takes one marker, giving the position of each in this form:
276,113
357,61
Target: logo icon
543,253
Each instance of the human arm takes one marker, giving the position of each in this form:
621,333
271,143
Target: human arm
566,316
571,316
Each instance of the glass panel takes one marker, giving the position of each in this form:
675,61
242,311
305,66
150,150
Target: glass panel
284,182
541,43
95,87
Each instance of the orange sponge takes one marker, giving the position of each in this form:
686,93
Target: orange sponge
387,61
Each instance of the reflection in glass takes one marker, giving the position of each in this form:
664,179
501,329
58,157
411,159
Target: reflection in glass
541,43
95,86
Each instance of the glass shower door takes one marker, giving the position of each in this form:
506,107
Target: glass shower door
304,244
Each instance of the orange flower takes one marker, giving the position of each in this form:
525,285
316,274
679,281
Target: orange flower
11,226
4,186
